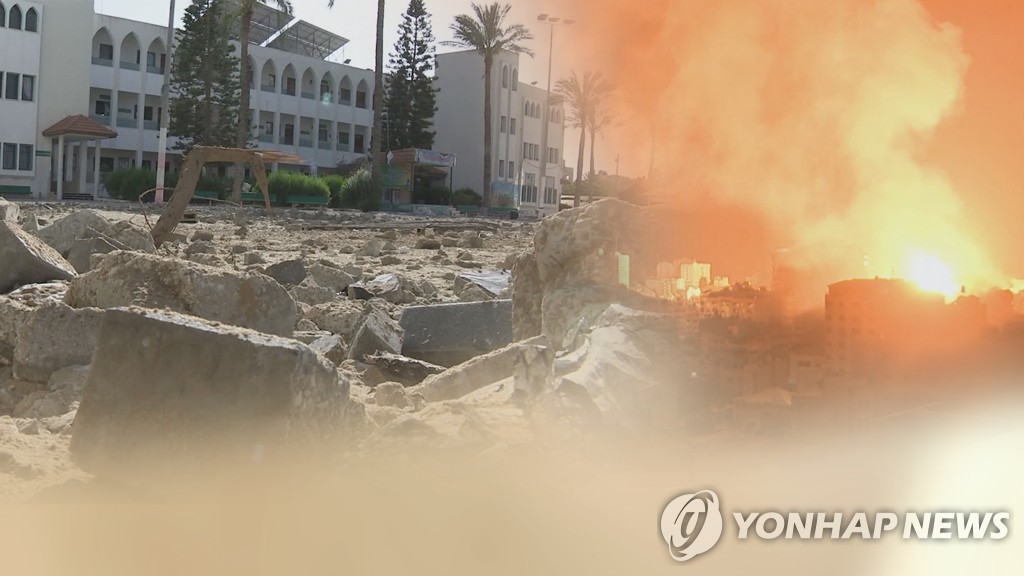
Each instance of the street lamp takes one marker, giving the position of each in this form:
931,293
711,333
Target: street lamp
551,21
161,160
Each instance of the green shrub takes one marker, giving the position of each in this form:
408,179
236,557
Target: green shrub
222,186
283,185
334,184
466,197
359,192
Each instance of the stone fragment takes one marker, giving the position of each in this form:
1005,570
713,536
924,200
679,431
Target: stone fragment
24,259
377,333
448,334
55,336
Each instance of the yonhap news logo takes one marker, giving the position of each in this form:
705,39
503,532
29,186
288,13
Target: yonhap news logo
693,523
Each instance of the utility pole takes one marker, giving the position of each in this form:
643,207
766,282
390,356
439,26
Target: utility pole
165,95
546,112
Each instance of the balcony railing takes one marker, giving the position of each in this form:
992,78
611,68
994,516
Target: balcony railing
127,123
103,62
267,87
129,65
308,96
151,125
104,120
324,145
327,97
305,142
267,138
155,70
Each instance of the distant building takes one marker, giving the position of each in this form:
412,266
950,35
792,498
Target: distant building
882,326
518,113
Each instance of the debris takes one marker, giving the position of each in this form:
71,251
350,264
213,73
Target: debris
245,299
391,394
408,371
82,250
340,317
392,288
61,235
448,334
310,293
55,336
331,277
288,273
331,347
202,236
377,333
428,244
9,211
193,392
372,248
24,259
474,374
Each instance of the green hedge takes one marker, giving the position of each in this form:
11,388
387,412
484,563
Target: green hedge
130,183
284,184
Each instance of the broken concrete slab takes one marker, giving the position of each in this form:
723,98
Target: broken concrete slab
392,288
61,235
24,259
340,317
288,273
62,394
331,277
408,371
195,394
377,333
474,374
312,294
244,299
80,255
9,211
448,334
332,347
55,336
391,394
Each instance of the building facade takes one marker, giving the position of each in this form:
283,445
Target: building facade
113,72
518,114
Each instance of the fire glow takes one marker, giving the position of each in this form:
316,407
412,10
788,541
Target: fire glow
931,274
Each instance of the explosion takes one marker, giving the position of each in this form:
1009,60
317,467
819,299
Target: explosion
811,114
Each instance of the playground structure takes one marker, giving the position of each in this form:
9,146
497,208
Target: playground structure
192,167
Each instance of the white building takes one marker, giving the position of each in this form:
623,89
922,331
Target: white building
517,113
112,72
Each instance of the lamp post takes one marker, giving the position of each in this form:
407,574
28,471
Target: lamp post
551,21
166,113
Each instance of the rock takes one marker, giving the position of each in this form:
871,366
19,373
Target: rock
372,248
308,337
312,294
24,259
428,244
28,427
391,394
390,260
527,295
61,235
448,334
288,273
473,241
83,249
202,236
392,288
130,235
473,293
200,247
239,249
55,336
252,258
210,260
238,398
449,241
340,317
12,315
9,211
331,347
64,391
330,277
247,299
408,371
474,374
306,326
377,333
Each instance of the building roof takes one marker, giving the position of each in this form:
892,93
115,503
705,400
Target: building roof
79,125
275,28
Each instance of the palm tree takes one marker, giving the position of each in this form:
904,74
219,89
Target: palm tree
581,96
600,118
487,34
244,12
377,160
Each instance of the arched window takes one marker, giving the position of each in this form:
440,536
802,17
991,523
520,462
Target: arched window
14,21
526,109
3,15
504,76
515,79
32,20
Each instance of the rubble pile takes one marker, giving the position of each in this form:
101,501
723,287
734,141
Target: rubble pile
333,329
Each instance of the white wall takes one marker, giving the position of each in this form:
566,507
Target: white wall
20,53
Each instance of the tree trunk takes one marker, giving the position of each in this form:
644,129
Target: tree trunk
378,102
593,146
244,122
488,64
579,164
